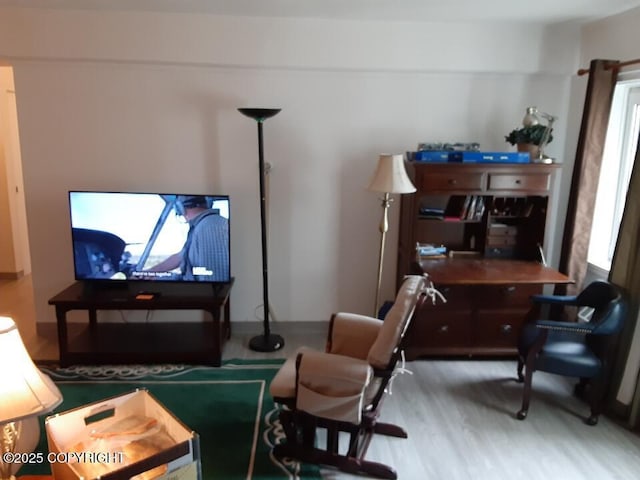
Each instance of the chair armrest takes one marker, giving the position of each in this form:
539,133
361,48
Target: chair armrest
575,327
352,335
331,386
555,299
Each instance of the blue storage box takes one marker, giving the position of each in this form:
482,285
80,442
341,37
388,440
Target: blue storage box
489,157
431,156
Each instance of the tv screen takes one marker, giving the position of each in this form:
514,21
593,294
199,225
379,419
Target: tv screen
150,236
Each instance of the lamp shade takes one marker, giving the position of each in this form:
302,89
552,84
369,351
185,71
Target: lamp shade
391,176
24,390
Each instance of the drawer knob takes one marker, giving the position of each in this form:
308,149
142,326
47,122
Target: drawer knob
443,329
452,181
506,328
518,181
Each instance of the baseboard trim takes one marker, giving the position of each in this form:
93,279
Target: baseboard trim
11,275
281,328
240,328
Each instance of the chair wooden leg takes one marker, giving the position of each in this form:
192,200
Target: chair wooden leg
390,430
301,435
526,396
519,369
529,368
597,391
581,387
346,464
526,393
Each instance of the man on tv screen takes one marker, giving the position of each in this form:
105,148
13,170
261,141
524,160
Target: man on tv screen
205,254
133,236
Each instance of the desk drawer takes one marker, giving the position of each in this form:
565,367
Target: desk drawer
498,329
505,296
451,181
501,241
458,297
432,328
538,182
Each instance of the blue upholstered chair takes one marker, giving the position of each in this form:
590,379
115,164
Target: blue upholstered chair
582,349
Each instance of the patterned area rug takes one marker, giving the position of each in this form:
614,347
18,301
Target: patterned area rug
229,407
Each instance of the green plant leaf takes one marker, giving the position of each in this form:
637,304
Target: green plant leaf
532,134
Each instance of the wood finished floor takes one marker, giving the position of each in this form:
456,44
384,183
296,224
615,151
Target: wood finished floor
459,413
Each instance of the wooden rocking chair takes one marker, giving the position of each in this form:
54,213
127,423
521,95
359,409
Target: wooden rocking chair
341,389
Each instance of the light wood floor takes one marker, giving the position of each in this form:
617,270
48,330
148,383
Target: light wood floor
459,414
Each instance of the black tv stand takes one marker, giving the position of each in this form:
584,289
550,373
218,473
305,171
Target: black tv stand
150,342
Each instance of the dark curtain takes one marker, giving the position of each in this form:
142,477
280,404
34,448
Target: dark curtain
625,271
586,173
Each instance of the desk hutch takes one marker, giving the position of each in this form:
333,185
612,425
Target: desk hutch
491,219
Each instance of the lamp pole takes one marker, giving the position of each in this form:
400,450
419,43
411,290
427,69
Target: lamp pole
267,342
384,228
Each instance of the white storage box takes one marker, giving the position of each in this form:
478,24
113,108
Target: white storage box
122,437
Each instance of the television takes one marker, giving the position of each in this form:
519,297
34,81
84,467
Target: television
158,237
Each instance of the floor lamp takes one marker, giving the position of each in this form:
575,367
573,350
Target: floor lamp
267,342
390,177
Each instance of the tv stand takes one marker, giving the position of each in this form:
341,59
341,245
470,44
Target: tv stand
189,342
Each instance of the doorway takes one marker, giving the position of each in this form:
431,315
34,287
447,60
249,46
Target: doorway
15,258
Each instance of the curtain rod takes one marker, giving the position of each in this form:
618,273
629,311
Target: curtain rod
619,65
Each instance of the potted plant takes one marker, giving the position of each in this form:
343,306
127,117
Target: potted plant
529,139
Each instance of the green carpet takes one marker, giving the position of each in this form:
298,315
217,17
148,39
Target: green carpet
229,407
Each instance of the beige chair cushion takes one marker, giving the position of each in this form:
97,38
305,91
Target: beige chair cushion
283,385
332,386
352,334
396,321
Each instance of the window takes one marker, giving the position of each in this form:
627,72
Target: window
617,162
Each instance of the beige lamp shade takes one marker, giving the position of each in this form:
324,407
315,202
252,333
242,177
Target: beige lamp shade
391,176
24,390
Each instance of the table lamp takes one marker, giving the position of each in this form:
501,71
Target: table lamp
25,393
390,177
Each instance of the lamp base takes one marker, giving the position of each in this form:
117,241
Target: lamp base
20,437
266,343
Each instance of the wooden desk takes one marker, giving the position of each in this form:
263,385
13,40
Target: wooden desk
489,271
148,342
487,303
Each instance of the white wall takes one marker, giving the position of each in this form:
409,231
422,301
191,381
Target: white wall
614,38
148,101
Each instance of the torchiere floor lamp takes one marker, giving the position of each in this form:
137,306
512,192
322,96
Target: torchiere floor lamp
267,342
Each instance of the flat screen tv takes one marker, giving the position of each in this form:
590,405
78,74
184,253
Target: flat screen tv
158,237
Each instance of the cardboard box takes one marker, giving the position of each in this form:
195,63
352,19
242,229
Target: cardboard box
71,431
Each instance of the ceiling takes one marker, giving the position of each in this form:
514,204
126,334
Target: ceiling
544,11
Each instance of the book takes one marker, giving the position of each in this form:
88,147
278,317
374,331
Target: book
454,208
428,250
